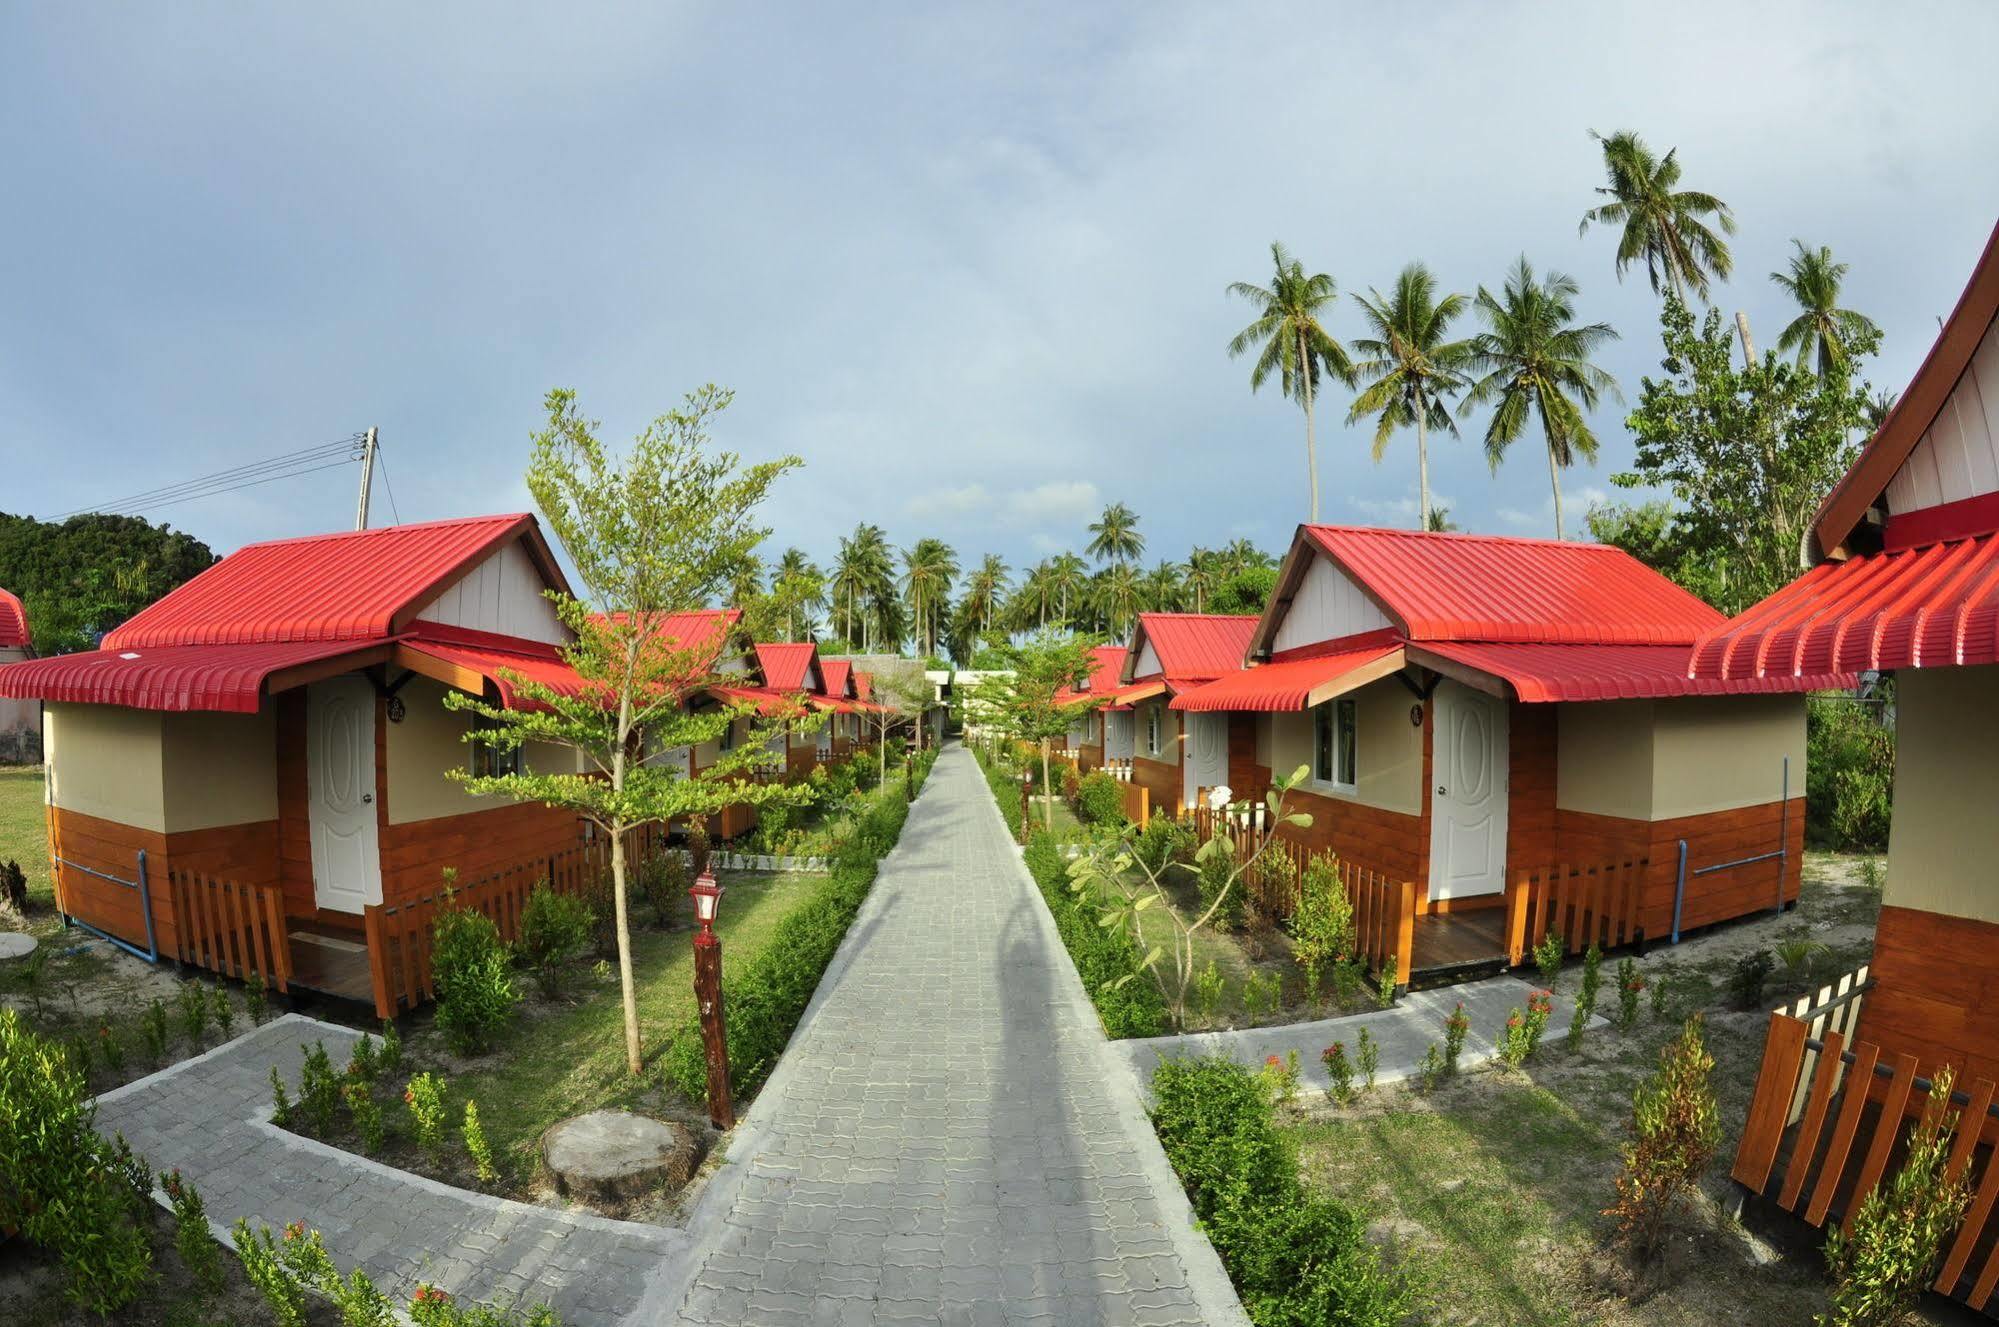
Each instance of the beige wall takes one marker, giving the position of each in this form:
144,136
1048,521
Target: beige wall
1169,731
1388,749
1945,837
106,761
1716,753
1603,758
221,769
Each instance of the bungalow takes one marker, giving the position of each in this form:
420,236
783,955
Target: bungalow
252,773
1473,711
1170,653
1906,576
20,720
1090,739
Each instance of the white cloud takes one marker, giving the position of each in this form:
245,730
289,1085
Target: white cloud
1396,511
1066,501
949,501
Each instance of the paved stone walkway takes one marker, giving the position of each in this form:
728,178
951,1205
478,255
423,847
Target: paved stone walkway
209,1117
1404,1032
949,1138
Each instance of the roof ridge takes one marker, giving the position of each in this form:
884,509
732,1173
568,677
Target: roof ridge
495,518
1471,536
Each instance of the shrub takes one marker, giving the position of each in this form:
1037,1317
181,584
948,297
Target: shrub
1100,800
1746,979
1369,1059
281,1105
1883,1266
1339,1072
192,1003
194,1241
1849,774
1800,954
555,930
1129,1004
61,1186
1630,985
1586,997
1259,994
1207,991
476,995
1513,1040
1296,1258
318,1089
1071,785
1322,930
153,1027
476,1145
1432,1068
1548,956
110,1049
267,1271
1456,1024
222,1010
431,1307
424,1097
390,1059
1162,841
1674,1133
662,885
1280,1075
256,998
1385,982
366,1113
1217,882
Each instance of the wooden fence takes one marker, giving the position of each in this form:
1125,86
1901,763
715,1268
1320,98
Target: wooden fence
399,934
1584,905
1826,1119
1137,802
1384,908
230,928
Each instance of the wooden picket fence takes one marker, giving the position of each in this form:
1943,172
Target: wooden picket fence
1596,904
231,928
1137,802
1384,908
1827,1118
399,934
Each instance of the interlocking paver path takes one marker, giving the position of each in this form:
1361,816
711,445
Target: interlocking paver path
948,1139
208,1117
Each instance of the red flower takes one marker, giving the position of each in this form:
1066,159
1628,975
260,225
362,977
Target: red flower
1275,1062
429,1294
294,1230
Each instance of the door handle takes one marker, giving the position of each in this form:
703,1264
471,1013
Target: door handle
370,797
1442,791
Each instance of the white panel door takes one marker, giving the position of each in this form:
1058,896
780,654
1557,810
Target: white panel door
1117,736
340,797
1468,803
1207,754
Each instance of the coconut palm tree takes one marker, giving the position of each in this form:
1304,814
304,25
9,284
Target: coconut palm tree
1439,521
1202,574
1119,596
1411,369
1067,577
1662,224
929,568
1115,537
801,586
985,588
1822,327
1288,339
1535,358
1162,588
1241,555
1878,408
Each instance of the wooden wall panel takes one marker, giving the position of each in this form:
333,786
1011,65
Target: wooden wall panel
1161,779
1530,806
1384,841
1936,985
1248,780
294,817
415,854
1583,838
240,852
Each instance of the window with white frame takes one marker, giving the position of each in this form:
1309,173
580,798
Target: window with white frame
1151,730
1333,743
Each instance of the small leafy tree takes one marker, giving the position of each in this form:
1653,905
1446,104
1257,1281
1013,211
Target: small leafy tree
1112,868
1036,701
1674,1133
900,699
658,530
1890,1257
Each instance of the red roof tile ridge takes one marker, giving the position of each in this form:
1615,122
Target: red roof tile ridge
497,519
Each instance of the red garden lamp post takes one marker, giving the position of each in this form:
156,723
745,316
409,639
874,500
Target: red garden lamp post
707,896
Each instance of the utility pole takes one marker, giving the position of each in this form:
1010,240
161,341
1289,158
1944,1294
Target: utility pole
367,475
1748,346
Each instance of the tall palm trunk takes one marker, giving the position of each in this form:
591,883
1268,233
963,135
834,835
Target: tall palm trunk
1555,483
1422,463
1311,448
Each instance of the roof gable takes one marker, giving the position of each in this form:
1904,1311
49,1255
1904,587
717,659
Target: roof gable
1491,588
839,675
1920,410
1188,646
356,585
789,666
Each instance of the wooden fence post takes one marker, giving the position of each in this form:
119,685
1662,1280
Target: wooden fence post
1763,1128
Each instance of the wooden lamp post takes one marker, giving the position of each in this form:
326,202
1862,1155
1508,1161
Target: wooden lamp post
707,897
1026,793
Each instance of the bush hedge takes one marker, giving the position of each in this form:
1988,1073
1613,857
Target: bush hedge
1100,800
1849,774
1102,955
764,998
1296,1257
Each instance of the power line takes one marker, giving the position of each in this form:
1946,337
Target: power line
283,466
387,483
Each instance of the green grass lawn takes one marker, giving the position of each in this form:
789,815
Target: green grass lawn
568,1056
24,834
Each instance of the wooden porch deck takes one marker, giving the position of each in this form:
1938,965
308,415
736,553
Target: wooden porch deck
1450,947
330,961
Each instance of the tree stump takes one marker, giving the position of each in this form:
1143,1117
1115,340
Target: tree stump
614,1156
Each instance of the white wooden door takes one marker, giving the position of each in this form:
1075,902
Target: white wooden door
340,796
1468,803
1117,736
1207,754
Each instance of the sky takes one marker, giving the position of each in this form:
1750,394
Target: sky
969,263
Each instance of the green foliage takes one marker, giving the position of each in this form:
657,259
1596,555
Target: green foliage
61,1185
1883,1266
663,879
1296,1258
1385,982
390,1058
266,1270
1163,842
191,1001
1432,1069
1216,878
365,1112
1369,1059
222,1010
256,998
1745,452
1548,956
1322,930
1207,992
1456,1024
1032,703
1747,978
1586,997
81,577
110,1049
555,930
1674,1133
318,1089
476,1145
1339,1072
431,1307
1630,986
423,1096
1849,773
1260,994
1800,954
476,995
1244,592
1106,957
193,1240
281,1103
1100,800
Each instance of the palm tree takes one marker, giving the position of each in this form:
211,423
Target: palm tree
1120,595
984,589
802,588
1288,339
1202,574
1241,555
1536,359
1878,408
862,577
1822,326
1162,588
1662,223
1410,369
929,568
1115,537
1439,521
1066,577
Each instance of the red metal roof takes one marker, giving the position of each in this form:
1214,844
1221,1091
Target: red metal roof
1299,679
357,585
1192,647
1544,674
229,678
1928,607
838,676
545,666
697,629
1106,665
13,622
787,666
864,685
1492,588
764,700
